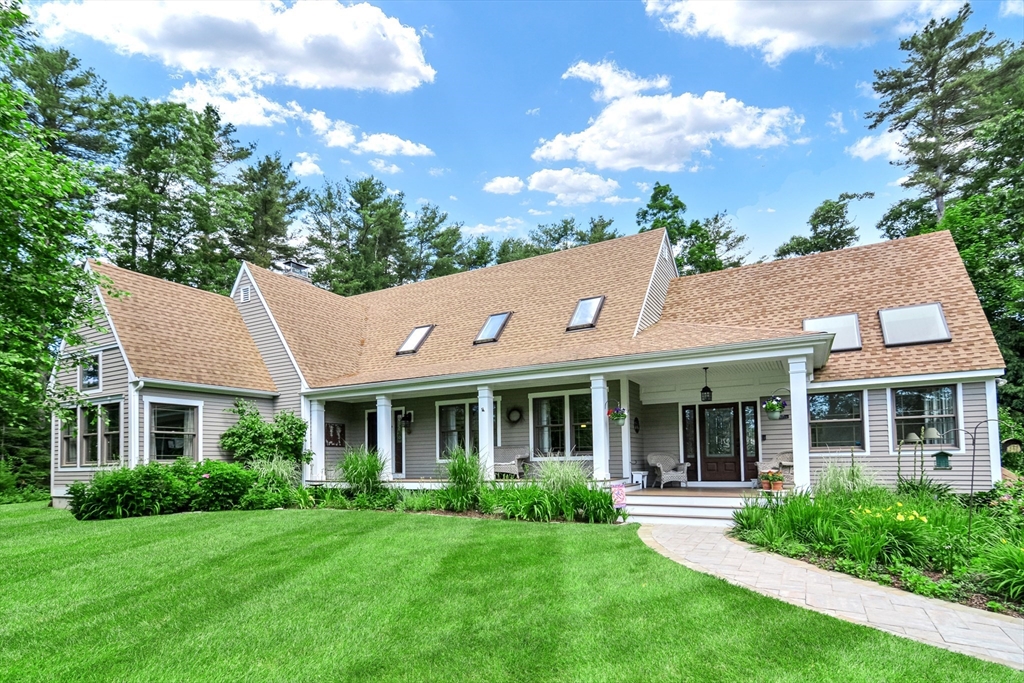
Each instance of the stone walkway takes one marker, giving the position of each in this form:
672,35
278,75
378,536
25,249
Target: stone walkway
974,632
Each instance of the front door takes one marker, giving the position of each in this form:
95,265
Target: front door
397,444
720,443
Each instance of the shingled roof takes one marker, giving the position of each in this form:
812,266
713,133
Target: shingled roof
182,334
862,280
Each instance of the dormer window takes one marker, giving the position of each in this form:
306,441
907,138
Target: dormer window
415,340
846,329
585,315
907,325
492,328
91,373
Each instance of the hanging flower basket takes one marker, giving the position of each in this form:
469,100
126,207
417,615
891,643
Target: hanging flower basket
617,415
774,406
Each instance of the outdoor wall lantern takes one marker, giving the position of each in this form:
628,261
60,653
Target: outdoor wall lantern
705,393
407,421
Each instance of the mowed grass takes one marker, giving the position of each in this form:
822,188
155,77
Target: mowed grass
322,595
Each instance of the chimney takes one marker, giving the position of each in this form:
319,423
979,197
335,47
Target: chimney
299,271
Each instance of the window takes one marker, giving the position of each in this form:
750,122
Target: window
837,420
110,446
585,315
91,373
914,325
69,441
919,409
690,438
415,340
562,425
90,436
492,328
458,426
245,294
846,329
173,431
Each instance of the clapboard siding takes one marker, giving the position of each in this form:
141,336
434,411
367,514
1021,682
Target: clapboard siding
272,349
664,271
637,455
614,432
216,417
883,463
776,435
661,429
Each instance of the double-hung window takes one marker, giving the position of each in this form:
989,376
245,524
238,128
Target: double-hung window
172,431
69,441
562,425
89,372
918,410
837,420
458,426
91,436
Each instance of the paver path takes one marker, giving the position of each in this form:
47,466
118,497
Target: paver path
987,635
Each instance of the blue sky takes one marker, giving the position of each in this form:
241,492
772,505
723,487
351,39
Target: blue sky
510,114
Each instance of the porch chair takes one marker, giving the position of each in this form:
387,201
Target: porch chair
667,469
784,464
510,459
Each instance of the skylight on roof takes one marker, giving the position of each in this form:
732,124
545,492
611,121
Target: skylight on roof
492,328
846,329
586,313
914,325
415,340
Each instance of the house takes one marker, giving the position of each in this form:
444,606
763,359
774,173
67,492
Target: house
871,347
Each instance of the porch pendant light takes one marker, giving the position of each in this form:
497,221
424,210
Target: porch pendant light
705,393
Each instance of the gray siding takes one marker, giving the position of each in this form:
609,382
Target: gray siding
275,356
660,429
664,271
614,433
878,421
776,435
636,440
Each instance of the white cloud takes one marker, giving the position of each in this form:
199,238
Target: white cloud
386,144
613,82
643,187
835,122
501,225
621,200
885,144
504,185
661,132
453,198
1010,8
438,172
307,44
537,212
899,181
237,98
572,186
778,29
865,89
306,165
533,112
381,166
332,133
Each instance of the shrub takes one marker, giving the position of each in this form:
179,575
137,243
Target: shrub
282,468
529,502
267,493
1004,568
330,497
151,489
382,499
558,476
8,482
28,494
465,479
253,438
362,469
219,486
417,501
593,504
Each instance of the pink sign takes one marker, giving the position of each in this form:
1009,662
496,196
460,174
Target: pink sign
619,496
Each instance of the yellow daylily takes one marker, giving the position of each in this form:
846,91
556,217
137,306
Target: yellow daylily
899,504
900,518
923,519
866,511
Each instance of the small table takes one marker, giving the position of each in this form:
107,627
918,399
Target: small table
639,478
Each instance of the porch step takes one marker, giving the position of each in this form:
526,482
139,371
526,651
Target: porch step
683,509
684,521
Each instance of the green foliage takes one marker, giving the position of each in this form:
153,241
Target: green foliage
528,502
558,476
273,200
361,469
840,479
219,485
253,438
1004,568
141,491
831,228
421,501
280,468
464,477
268,493
28,494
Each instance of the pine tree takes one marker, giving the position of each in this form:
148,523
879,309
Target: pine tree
274,200
831,228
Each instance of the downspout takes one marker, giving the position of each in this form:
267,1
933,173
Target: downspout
134,456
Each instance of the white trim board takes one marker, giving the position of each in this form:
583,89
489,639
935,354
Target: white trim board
147,400
904,380
405,438
207,388
113,329
566,393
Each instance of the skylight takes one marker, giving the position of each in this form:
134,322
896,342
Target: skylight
415,340
846,329
914,325
492,328
586,313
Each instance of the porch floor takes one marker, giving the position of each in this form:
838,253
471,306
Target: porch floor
698,491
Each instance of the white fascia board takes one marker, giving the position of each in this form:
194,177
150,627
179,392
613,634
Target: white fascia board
206,388
760,350
117,338
903,380
665,245
238,278
273,321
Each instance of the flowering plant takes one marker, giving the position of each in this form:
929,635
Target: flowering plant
772,475
774,404
617,413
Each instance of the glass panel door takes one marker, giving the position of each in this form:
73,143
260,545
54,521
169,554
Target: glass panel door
720,452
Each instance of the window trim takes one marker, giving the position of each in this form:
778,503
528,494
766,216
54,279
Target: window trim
497,335
591,325
865,424
98,355
105,434
147,414
856,327
410,352
567,426
942,318
98,404
467,402
958,447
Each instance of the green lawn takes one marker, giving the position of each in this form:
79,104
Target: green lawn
331,595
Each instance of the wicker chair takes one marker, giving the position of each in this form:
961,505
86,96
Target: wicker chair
667,469
509,460
784,464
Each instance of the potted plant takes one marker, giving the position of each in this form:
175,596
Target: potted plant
617,415
777,479
766,481
774,406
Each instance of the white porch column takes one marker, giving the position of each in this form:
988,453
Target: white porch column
627,447
599,416
994,446
385,435
318,468
485,406
800,420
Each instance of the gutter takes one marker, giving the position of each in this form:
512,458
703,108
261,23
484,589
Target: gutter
206,388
